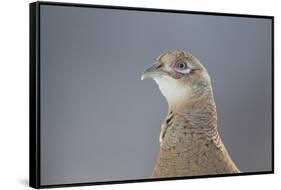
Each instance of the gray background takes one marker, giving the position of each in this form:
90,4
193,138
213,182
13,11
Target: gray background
100,122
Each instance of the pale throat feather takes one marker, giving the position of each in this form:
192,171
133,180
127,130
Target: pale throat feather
172,90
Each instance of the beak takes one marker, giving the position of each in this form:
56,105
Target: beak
153,71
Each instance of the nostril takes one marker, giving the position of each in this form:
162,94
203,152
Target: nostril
159,65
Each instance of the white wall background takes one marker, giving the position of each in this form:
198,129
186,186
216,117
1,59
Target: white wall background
14,53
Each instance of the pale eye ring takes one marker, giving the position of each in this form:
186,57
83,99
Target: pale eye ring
183,67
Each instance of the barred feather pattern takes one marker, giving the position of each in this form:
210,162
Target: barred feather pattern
190,143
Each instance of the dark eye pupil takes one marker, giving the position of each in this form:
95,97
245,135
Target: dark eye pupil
182,65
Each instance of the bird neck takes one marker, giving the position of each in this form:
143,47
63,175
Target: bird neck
196,102
191,144
201,116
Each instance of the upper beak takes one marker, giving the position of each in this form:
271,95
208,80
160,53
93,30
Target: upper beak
154,70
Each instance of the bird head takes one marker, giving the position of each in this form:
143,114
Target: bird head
180,76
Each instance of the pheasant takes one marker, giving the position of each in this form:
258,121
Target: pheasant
190,144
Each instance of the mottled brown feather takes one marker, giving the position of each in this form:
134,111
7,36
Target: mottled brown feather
190,143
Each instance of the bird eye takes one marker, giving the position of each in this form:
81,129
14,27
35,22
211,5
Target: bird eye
183,67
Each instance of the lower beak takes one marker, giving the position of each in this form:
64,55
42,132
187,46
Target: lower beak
152,71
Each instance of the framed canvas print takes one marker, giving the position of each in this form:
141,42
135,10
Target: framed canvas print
122,94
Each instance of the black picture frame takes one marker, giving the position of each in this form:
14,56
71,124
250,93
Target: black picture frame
34,98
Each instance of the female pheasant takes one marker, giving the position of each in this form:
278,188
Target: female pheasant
190,144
